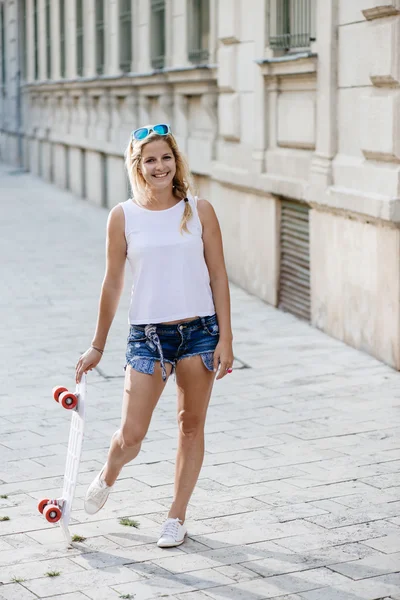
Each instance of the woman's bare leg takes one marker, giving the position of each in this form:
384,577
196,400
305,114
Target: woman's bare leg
194,384
141,394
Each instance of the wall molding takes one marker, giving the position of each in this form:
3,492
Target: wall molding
379,12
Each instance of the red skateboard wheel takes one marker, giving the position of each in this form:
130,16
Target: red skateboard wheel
57,391
68,400
52,513
42,504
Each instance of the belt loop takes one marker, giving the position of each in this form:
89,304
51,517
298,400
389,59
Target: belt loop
203,321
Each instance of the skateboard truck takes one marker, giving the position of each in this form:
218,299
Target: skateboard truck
51,509
67,399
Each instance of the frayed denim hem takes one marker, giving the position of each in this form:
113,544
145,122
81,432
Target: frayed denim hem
143,364
206,357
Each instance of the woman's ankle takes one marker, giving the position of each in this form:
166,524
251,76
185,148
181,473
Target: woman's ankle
110,476
177,513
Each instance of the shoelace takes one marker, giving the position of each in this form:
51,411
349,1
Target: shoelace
100,490
171,527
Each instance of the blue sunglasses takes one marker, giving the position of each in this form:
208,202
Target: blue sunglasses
143,132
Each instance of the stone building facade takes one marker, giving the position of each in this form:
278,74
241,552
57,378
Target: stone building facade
288,111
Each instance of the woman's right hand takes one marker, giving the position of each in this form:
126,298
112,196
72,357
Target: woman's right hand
88,361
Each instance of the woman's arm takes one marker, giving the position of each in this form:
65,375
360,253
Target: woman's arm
111,289
214,256
113,281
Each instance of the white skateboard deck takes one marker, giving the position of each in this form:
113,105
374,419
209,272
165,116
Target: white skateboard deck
73,457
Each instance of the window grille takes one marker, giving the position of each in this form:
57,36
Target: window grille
3,48
198,31
125,35
23,21
100,37
158,34
292,24
79,38
35,40
62,38
48,40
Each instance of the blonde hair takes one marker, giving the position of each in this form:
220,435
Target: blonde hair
182,181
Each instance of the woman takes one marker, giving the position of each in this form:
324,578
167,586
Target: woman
179,314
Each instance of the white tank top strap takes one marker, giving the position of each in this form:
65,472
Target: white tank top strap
193,203
127,207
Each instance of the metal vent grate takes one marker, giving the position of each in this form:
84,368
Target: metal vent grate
294,283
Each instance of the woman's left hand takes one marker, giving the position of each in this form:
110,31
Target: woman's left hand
223,357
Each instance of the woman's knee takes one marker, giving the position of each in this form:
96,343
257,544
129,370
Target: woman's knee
190,424
131,437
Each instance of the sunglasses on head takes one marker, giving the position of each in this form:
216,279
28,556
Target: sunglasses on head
143,132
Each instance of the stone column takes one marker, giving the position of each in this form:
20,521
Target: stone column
260,115
273,113
169,44
229,99
142,44
112,37
209,103
177,55
326,129
213,45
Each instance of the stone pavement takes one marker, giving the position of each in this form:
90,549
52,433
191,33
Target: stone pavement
299,496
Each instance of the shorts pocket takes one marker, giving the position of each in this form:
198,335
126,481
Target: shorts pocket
211,326
136,334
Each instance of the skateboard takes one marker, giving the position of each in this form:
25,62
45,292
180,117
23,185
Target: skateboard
59,509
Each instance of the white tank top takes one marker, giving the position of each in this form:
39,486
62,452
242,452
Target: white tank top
170,276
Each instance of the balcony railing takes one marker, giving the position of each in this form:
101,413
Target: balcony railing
199,57
292,24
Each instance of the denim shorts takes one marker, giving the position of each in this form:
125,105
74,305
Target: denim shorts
171,343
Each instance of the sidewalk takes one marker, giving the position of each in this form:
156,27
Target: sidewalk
299,495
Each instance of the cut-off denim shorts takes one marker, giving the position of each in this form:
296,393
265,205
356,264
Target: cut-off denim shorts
172,343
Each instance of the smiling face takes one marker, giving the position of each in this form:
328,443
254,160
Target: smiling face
158,165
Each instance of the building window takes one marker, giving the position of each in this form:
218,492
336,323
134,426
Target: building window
3,48
48,40
99,37
62,38
35,40
198,31
158,34
79,38
292,24
22,45
125,35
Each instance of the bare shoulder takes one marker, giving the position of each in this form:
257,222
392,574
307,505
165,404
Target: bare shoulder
206,211
116,219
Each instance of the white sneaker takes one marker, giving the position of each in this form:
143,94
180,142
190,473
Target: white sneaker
97,494
172,533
